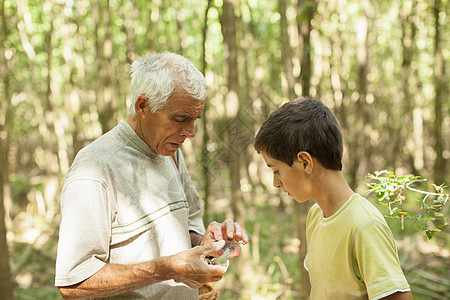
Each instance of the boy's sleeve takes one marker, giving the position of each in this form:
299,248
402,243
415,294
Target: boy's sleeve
377,261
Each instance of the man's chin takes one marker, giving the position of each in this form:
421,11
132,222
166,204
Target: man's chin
169,150
167,153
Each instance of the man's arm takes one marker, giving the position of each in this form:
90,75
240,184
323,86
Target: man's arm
399,296
188,267
115,279
196,238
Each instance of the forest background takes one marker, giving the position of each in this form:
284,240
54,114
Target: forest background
381,66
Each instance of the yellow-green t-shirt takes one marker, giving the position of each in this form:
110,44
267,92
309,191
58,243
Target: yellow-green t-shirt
352,254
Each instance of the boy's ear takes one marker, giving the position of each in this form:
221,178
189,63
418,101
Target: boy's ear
139,105
306,161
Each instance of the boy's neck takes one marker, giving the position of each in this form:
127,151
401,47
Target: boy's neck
334,192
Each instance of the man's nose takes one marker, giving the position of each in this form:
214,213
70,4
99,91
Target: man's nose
188,130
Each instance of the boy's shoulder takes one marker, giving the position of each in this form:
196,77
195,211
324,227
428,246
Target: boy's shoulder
355,212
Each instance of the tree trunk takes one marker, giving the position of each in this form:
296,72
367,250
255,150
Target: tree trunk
409,86
205,138
105,92
362,103
232,110
232,105
439,85
49,130
180,28
306,10
286,53
128,28
6,285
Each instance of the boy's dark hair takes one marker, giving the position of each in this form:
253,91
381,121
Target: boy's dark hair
302,125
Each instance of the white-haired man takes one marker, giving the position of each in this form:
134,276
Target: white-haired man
131,218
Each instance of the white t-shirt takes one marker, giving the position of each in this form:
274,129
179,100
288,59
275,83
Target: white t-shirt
352,254
122,203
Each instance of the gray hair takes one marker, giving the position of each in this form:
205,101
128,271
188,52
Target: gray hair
156,76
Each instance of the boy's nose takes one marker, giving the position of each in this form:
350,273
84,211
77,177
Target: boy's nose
276,182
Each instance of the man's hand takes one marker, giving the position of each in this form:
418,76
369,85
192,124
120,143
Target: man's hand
228,230
190,266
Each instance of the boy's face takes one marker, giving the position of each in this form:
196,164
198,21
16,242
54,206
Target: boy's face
293,180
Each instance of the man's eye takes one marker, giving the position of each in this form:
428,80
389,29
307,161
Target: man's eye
276,172
179,120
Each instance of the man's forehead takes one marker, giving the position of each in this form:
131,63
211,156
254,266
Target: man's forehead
185,106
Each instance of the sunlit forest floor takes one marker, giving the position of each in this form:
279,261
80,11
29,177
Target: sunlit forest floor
269,269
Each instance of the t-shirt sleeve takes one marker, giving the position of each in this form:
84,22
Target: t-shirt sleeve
377,261
85,231
193,198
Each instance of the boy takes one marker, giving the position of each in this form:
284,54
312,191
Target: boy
351,252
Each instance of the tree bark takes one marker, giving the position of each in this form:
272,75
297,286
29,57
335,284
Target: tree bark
286,53
128,28
105,93
232,111
439,86
228,21
205,138
6,285
362,104
408,82
306,10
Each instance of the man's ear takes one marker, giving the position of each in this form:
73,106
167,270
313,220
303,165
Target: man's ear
306,161
139,105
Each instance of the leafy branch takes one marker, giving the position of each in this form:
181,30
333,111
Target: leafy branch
390,190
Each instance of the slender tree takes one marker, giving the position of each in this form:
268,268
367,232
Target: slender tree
106,93
306,10
205,159
233,129
439,86
232,105
286,52
6,286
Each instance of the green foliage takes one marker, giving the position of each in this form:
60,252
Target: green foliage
35,264
390,190
66,118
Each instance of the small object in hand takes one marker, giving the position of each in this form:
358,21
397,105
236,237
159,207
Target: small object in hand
221,260
231,249
233,245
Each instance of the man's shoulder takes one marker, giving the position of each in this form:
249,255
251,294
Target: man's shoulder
92,159
102,148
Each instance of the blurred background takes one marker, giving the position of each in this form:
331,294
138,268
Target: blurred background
381,66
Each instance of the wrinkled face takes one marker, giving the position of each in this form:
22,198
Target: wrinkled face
292,180
167,129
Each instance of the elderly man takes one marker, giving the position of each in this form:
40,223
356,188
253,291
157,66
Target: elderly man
131,218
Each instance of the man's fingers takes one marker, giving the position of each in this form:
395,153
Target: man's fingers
240,234
229,228
215,230
213,248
